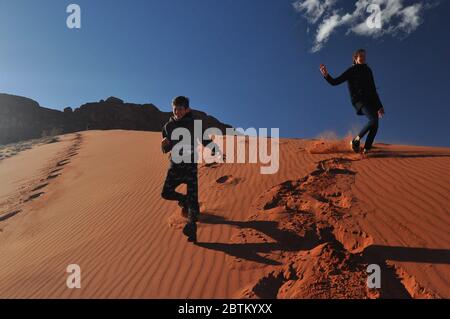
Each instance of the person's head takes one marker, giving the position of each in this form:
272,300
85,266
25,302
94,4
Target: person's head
359,57
180,106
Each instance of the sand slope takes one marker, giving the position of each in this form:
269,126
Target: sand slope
308,231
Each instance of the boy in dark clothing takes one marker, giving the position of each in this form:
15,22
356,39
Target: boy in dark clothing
363,95
183,165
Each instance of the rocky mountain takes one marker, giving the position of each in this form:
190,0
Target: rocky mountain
22,118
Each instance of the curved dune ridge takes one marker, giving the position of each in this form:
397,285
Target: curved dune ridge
308,231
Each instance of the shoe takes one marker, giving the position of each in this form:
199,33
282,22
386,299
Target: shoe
355,145
365,151
184,209
190,231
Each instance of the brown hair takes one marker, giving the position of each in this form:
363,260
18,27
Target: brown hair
181,101
356,53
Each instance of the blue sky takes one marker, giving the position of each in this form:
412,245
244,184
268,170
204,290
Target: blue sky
249,63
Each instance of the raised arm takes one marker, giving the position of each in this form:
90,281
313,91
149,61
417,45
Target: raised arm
339,80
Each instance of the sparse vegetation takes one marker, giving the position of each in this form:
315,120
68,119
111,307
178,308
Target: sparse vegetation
9,150
51,133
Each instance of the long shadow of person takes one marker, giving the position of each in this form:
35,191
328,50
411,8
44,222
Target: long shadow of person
284,240
380,153
391,285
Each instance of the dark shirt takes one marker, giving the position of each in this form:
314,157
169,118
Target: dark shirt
186,122
361,85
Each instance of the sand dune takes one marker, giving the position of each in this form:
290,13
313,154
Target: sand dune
309,231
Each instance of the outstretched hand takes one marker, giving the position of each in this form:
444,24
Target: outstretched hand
323,70
381,113
217,153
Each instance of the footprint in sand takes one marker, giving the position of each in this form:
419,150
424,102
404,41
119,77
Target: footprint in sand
228,180
39,187
34,196
62,163
213,165
55,171
9,215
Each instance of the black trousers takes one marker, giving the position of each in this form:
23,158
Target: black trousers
183,173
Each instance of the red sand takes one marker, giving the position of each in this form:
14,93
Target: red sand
308,231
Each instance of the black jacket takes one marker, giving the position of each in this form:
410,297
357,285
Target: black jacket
361,85
186,122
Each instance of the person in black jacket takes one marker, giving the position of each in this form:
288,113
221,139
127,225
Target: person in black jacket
364,96
183,163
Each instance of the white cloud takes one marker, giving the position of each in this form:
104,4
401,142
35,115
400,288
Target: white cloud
313,8
326,28
397,19
410,19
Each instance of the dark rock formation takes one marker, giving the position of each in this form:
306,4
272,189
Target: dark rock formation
22,118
